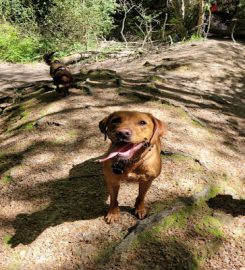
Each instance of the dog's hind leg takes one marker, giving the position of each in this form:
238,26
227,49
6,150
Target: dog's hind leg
66,91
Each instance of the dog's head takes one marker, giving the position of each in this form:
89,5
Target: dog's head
130,130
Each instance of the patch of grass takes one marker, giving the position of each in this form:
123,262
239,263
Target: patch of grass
206,194
24,114
196,37
29,126
178,219
149,236
6,179
105,253
214,190
7,239
16,47
72,134
169,251
182,113
209,226
159,206
157,79
178,157
176,231
195,123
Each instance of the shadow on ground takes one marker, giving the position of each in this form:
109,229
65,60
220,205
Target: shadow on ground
227,204
154,253
81,196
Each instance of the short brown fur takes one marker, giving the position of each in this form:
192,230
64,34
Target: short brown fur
60,73
147,161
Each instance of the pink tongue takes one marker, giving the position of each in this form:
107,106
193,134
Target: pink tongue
126,151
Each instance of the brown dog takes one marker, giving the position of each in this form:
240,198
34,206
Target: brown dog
134,154
60,73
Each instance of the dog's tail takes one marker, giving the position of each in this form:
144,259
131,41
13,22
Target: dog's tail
48,58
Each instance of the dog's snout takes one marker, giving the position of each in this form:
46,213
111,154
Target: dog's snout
124,134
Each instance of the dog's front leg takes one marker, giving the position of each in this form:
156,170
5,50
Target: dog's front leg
140,209
57,88
113,213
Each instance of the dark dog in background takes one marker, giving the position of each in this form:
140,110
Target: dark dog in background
60,73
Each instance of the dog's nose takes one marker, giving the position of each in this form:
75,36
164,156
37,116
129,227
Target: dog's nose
124,134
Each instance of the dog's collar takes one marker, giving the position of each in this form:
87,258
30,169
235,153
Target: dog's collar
146,148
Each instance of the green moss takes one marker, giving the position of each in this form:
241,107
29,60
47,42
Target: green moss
6,179
173,236
29,126
209,226
196,123
166,105
214,190
2,155
178,157
178,219
149,236
72,133
105,252
182,113
24,114
195,37
157,79
209,193
169,250
7,239
159,206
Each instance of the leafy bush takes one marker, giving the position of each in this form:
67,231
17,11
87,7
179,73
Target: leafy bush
14,47
72,21
52,25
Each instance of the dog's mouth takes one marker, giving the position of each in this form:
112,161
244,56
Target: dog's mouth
124,150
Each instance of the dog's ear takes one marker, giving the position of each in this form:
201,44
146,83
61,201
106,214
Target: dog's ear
103,125
158,131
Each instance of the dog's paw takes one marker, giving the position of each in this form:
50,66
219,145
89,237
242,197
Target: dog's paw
112,216
141,212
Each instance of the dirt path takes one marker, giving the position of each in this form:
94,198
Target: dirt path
52,193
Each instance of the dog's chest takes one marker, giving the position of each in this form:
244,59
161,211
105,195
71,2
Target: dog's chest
137,174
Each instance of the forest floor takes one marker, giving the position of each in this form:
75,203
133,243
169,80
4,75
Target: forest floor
52,195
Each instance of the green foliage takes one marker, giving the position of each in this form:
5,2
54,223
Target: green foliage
75,21
183,18
30,28
15,47
196,37
161,19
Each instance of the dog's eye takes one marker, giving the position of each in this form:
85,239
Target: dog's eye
142,123
116,120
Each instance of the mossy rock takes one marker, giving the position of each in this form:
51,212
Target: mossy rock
102,74
158,79
170,66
